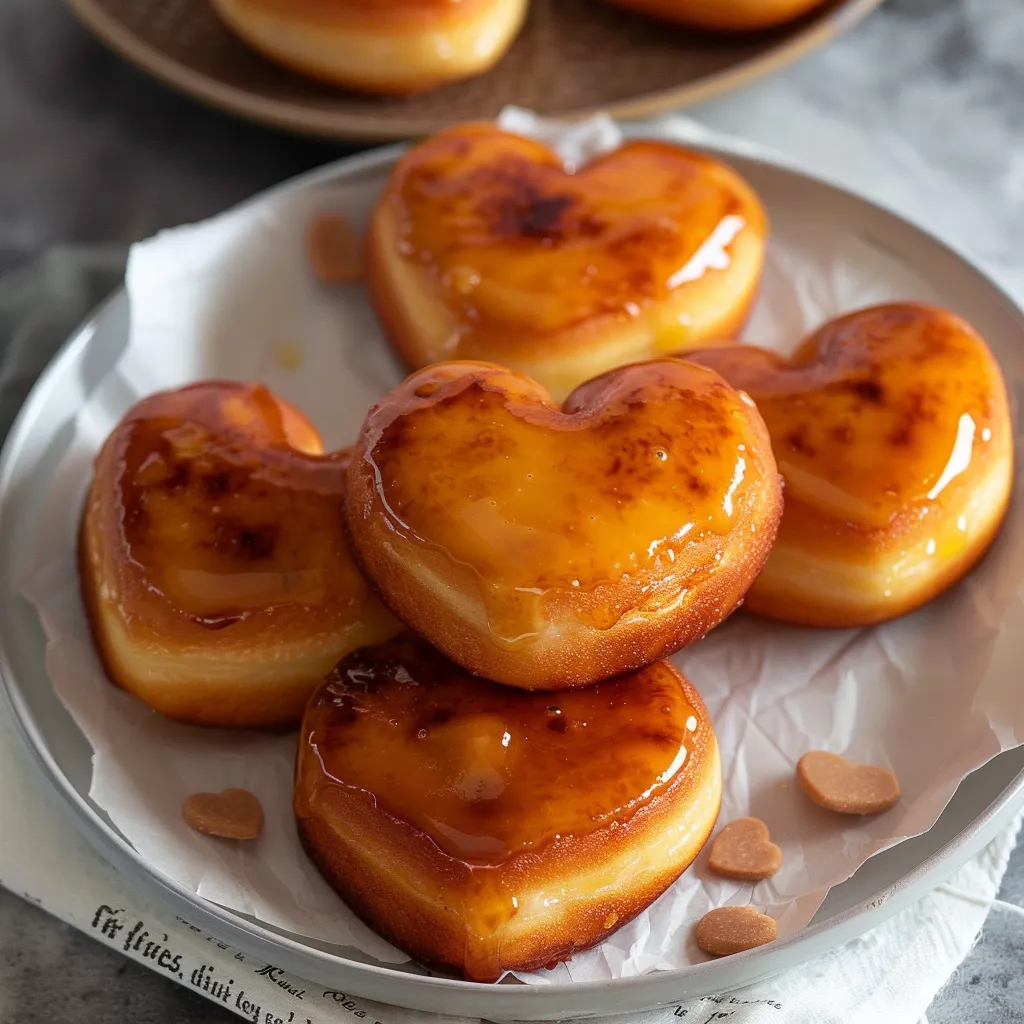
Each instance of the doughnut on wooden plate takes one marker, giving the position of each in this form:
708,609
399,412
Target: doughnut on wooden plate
572,56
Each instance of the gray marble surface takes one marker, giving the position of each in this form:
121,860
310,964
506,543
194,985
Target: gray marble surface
924,101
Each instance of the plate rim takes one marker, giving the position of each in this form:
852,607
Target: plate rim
297,118
374,981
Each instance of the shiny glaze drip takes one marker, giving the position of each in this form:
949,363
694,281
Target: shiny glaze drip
518,247
883,412
638,470
489,772
226,508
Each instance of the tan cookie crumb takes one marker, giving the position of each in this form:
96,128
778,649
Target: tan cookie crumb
335,252
233,814
744,850
729,930
835,784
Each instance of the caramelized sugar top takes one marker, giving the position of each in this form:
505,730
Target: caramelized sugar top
637,468
516,245
486,771
887,408
226,507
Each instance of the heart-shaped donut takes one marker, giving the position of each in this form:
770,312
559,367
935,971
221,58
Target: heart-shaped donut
744,850
487,829
548,547
214,564
892,431
484,247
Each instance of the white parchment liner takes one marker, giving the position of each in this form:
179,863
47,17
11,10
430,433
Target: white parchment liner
932,696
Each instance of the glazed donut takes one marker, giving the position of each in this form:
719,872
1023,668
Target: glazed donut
484,247
547,547
448,811
892,430
723,15
214,567
379,46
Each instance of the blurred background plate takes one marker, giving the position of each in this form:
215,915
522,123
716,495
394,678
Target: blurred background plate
573,56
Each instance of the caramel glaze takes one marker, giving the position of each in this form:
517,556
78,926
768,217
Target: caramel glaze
548,547
892,430
213,542
474,824
483,247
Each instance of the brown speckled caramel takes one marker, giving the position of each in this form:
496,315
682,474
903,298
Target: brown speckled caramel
483,247
547,547
892,430
729,930
834,783
485,829
215,570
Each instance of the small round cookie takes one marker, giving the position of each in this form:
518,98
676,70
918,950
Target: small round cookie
729,930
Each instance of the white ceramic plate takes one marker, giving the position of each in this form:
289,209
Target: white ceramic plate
984,803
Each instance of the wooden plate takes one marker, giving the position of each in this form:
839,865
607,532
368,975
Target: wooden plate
573,56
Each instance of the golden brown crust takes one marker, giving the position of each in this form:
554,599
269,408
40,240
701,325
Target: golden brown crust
891,427
379,46
545,548
482,247
213,562
534,908
723,15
